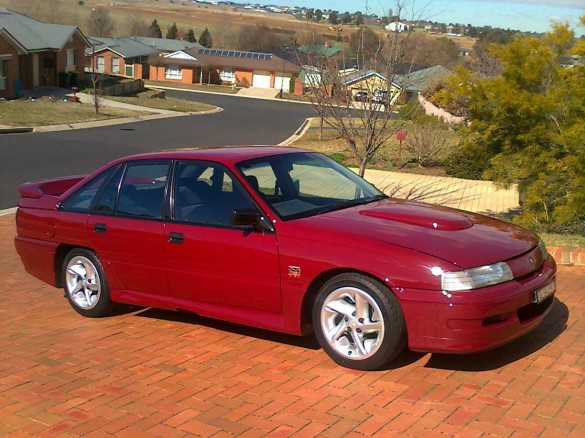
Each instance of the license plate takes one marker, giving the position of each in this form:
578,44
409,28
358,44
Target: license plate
544,292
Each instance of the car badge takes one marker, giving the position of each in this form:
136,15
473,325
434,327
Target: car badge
294,271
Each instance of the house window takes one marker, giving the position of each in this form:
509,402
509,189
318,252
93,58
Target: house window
173,72
129,70
3,73
227,75
100,64
71,59
116,65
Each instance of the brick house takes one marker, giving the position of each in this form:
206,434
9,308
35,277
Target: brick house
130,56
217,66
35,54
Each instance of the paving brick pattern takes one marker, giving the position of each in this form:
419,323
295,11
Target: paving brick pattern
145,373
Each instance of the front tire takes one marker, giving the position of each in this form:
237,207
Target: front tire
358,322
85,284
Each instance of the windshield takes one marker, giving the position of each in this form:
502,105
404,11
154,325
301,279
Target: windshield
304,184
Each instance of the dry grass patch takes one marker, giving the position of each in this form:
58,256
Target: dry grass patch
335,147
44,112
147,99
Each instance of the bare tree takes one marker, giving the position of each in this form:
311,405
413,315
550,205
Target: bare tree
96,83
136,26
426,142
100,23
366,120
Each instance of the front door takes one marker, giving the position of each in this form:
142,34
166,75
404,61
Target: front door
214,267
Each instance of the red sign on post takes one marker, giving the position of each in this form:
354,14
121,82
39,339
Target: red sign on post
400,136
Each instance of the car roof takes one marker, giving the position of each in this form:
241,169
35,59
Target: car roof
223,154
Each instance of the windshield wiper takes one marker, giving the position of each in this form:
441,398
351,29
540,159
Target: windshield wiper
350,203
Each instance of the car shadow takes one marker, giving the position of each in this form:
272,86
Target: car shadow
553,325
309,341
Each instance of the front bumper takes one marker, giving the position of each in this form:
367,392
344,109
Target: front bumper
472,321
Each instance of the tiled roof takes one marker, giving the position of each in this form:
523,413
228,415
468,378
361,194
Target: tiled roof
34,35
167,45
418,81
126,47
235,59
359,75
320,50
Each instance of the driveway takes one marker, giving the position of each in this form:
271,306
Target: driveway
146,373
25,157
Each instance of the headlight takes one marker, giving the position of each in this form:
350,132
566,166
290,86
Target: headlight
475,278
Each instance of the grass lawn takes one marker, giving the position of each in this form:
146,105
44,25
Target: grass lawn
44,112
563,240
146,99
225,89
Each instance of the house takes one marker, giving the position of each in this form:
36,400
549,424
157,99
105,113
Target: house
202,65
417,82
396,26
130,56
326,50
368,81
35,54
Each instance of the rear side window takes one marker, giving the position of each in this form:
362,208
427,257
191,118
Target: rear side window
142,191
83,198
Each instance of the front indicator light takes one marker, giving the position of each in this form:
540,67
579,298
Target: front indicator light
476,278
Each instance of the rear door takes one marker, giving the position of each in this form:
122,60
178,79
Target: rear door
127,229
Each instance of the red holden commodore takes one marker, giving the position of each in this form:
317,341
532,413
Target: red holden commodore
286,240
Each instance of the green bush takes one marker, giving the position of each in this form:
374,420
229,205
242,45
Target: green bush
466,163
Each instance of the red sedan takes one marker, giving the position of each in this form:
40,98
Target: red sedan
286,240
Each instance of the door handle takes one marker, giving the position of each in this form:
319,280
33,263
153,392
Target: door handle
100,228
176,238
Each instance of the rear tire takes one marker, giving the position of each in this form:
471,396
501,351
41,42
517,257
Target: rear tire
85,284
358,322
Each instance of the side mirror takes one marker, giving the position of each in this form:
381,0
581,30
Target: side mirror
245,217
249,217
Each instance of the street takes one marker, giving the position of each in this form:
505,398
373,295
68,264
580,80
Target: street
33,156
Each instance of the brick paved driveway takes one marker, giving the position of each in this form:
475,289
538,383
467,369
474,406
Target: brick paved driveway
154,373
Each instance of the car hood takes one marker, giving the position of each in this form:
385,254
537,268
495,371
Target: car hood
463,238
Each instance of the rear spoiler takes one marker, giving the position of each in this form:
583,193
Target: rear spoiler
51,187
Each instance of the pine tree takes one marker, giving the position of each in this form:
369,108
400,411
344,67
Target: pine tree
205,39
191,36
173,32
155,29
527,125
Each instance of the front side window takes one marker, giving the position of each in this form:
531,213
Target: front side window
71,58
173,72
115,65
205,193
3,73
304,184
100,64
227,75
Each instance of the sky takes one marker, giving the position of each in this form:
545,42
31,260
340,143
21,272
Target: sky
525,15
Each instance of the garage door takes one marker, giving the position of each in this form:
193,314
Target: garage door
282,82
261,79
